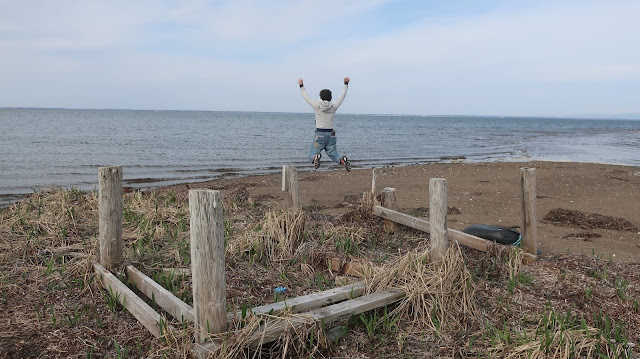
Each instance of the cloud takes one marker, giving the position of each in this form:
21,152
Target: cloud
506,60
546,58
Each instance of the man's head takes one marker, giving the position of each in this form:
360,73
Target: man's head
325,95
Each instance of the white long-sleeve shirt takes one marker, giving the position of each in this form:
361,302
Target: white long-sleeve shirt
325,110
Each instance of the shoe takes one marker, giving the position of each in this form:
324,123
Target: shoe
316,161
345,162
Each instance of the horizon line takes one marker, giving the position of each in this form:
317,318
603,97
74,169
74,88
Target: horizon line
633,117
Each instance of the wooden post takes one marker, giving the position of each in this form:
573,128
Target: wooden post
529,220
389,201
110,215
373,182
207,263
285,186
290,184
438,217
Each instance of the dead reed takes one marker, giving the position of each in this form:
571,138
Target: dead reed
297,336
439,294
275,238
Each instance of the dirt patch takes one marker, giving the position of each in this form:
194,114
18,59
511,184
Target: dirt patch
582,236
309,178
353,199
424,211
240,195
582,220
267,197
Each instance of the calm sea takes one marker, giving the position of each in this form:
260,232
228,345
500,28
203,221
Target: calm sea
44,148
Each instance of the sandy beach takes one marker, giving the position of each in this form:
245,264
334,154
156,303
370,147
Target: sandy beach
486,193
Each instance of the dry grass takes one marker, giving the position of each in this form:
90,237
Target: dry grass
276,238
300,336
468,305
558,337
439,294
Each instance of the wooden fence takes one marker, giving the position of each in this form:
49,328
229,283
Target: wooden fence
209,314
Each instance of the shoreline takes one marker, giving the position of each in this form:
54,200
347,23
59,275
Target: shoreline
482,193
150,183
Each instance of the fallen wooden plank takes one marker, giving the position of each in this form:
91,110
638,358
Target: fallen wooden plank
148,317
298,304
164,298
295,305
468,240
424,225
309,301
204,350
328,315
398,217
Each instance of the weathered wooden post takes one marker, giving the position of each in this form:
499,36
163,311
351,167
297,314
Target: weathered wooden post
438,217
290,185
373,182
207,263
389,201
529,220
285,184
110,215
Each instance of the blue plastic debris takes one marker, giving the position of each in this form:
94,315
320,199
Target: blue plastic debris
280,290
518,241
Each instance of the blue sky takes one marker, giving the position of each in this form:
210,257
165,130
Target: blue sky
521,58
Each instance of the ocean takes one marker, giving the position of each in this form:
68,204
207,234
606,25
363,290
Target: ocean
46,148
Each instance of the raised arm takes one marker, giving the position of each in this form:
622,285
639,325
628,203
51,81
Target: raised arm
344,93
306,97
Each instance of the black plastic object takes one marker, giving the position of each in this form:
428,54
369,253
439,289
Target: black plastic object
494,233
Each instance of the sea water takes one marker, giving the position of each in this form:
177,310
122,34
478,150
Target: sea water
45,148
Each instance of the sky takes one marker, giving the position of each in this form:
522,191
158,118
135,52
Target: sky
499,58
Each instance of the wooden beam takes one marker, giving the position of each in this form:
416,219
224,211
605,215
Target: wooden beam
148,317
295,305
164,298
328,315
204,350
311,301
420,224
110,215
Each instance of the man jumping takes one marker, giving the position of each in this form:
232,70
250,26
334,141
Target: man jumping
325,137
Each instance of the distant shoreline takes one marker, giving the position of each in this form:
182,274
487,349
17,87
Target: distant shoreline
630,117
145,184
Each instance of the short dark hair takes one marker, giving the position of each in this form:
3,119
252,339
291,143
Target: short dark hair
325,95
